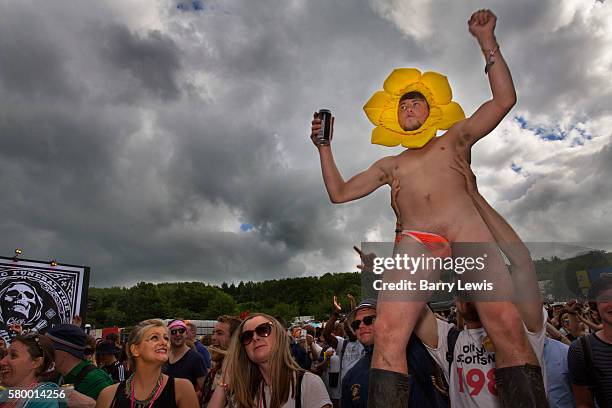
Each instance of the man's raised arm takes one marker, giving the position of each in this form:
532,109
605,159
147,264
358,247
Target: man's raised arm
328,334
358,186
488,116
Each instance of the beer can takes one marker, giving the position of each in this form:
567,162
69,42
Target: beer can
324,135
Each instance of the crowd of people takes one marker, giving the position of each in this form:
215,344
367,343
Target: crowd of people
261,361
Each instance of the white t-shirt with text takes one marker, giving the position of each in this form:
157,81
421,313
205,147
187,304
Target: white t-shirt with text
472,382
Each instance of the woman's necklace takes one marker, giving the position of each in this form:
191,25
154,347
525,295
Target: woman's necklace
130,387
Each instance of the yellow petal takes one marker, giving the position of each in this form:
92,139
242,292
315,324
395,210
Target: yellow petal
399,78
388,119
420,140
439,87
382,136
451,114
374,107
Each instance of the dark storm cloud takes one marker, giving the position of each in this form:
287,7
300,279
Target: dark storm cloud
19,72
33,63
152,60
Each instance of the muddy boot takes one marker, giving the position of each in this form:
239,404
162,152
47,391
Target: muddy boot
520,387
388,389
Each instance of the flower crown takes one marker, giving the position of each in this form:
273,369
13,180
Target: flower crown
382,108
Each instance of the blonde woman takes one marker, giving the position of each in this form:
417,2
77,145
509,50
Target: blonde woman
147,350
259,371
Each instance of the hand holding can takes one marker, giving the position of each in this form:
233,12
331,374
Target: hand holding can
322,128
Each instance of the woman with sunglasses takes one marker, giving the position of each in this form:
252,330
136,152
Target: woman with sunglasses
259,371
29,358
147,349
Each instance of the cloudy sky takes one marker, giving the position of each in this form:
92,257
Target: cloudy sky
167,140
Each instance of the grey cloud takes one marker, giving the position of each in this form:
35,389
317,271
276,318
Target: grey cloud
152,60
151,146
569,205
33,63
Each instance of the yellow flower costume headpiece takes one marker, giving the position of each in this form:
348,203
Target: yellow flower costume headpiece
382,108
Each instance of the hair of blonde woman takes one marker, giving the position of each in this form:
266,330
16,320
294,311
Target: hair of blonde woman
137,334
244,377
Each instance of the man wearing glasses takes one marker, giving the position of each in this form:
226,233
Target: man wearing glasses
183,362
355,381
423,391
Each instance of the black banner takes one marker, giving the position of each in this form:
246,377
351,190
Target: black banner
38,295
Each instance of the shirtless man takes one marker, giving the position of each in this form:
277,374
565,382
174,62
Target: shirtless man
434,203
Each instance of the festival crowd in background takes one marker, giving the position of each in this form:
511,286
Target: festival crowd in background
262,361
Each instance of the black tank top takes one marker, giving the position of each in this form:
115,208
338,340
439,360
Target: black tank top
165,400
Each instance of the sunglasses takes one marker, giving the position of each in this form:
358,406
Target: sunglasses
263,330
368,320
174,332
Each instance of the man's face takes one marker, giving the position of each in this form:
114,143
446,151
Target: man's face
178,335
61,358
191,333
412,113
221,336
604,307
106,359
339,330
365,334
564,320
467,310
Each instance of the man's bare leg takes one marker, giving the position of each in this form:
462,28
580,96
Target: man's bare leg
397,315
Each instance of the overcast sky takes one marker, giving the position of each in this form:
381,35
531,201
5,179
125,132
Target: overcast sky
164,140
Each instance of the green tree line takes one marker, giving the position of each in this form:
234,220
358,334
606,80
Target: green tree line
311,296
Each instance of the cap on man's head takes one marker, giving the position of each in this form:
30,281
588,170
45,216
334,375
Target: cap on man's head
366,303
68,338
369,303
177,323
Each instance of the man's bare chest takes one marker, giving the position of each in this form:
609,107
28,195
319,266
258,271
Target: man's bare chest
436,156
